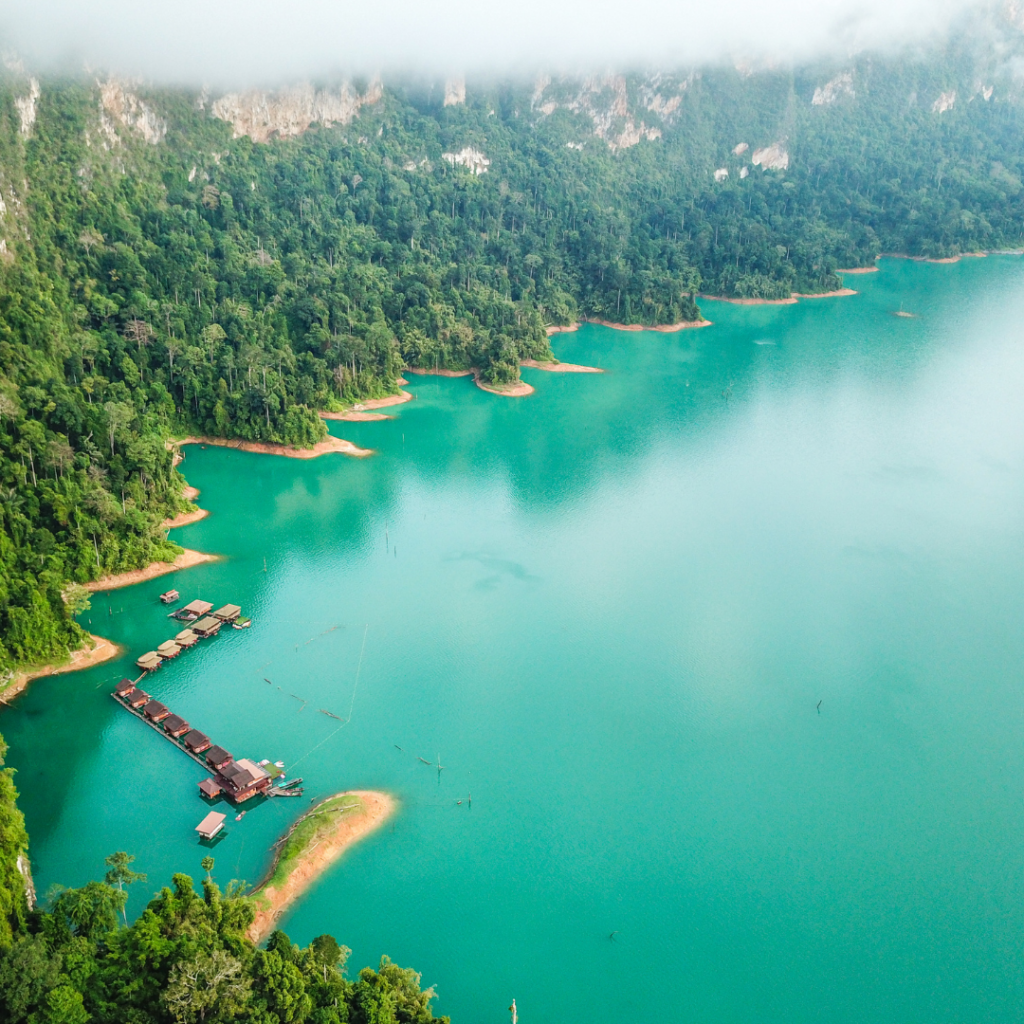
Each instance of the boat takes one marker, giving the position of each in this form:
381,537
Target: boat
239,817
169,596
330,714
292,784
241,624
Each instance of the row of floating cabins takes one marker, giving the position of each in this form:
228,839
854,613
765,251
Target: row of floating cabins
205,622
237,780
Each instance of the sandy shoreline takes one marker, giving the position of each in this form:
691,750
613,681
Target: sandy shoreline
185,518
533,364
824,295
325,447
185,560
313,861
360,412
859,270
518,390
85,657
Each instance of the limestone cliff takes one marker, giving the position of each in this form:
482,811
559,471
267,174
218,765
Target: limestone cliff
290,112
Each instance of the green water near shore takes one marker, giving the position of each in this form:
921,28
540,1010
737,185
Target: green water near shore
612,609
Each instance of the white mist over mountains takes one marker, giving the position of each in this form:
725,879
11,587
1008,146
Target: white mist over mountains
261,42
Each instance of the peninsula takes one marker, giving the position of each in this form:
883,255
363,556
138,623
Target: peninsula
311,846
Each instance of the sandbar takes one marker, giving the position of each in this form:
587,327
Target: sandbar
185,518
824,295
185,560
560,367
85,657
295,870
935,259
567,329
858,270
663,328
752,302
359,413
324,447
518,390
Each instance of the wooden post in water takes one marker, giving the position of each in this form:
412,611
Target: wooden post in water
515,1015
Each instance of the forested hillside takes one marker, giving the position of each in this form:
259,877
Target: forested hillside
172,261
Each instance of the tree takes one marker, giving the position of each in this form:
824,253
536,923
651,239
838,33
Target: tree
120,874
206,984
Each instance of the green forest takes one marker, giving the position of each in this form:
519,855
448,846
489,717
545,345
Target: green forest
185,959
160,276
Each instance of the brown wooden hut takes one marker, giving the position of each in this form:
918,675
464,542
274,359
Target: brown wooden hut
228,613
168,649
243,779
207,627
210,788
175,725
155,711
169,596
211,825
186,638
197,741
193,610
148,662
217,757
138,697
124,687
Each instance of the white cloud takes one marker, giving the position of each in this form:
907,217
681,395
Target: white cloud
249,42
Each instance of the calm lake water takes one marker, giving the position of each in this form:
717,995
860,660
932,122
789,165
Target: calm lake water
612,610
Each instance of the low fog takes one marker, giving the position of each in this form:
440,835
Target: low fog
250,42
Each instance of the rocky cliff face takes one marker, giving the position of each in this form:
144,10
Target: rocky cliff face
120,106
605,100
290,112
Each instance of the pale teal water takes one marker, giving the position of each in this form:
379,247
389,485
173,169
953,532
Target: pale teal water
611,608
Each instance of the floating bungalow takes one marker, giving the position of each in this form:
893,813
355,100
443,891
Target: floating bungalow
197,741
186,638
137,698
169,596
155,711
211,825
148,662
210,788
168,649
207,627
124,687
176,726
228,613
193,610
243,779
217,758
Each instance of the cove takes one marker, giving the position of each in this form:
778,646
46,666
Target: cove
611,610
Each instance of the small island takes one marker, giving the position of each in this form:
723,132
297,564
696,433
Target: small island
311,846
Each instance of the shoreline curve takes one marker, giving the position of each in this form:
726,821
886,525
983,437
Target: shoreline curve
186,560
85,657
534,364
323,847
361,412
325,447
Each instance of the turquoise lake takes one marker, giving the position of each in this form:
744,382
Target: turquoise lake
612,609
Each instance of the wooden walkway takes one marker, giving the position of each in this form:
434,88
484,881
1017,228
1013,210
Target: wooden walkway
166,735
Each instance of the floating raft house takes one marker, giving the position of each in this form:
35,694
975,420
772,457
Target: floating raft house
207,627
217,757
169,596
211,825
155,711
124,687
228,613
175,725
197,741
210,788
137,698
193,610
149,662
168,649
186,638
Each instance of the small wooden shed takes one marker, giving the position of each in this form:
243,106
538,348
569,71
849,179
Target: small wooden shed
210,788
175,725
186,638
155,711
169,596
148,662
211,825
194,610
138,697
124,687
207,627
228,613
217,757
168,649
196,741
